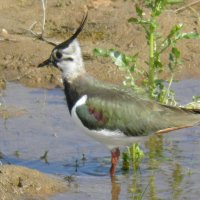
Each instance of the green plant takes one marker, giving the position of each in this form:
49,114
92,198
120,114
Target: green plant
132,157
158,45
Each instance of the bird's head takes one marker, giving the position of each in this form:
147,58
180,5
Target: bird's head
67,56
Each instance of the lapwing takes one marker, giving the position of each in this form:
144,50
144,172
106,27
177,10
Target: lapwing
111,114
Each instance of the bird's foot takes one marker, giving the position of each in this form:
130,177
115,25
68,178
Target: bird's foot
115,153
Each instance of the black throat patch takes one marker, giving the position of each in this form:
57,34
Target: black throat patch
71,95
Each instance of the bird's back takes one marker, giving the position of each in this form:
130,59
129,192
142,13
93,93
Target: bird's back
126,111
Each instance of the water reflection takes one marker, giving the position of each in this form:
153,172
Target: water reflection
115,189
177,179
154,146
158,176
135,187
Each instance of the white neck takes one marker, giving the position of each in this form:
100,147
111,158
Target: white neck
70,74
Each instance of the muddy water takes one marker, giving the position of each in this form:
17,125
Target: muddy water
170,169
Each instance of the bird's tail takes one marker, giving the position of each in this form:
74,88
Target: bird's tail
196,114
193,107
192,110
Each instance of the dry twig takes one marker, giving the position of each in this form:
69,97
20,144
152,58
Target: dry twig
40,35
187,6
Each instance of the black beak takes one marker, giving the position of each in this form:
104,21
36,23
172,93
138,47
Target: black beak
45,63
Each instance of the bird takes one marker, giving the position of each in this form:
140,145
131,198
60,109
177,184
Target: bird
112,114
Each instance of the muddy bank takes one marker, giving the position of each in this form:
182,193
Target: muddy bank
22,183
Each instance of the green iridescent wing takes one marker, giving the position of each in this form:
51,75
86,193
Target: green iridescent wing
132,115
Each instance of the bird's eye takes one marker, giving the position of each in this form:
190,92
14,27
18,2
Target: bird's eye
58,55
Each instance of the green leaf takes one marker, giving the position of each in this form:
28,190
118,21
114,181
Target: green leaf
117,58
139,21
175,29
133,20
100,52
176,52
174,1
159,82
132,68
171,57
170,40
139,11
190,35
158,64
130,59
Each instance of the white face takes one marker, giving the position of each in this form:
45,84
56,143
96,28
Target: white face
69,60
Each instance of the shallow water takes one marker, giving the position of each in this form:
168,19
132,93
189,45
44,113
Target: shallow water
170,169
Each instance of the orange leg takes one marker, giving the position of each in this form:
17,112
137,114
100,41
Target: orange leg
115,153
